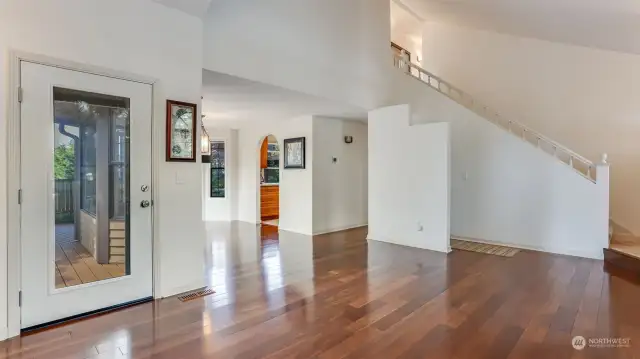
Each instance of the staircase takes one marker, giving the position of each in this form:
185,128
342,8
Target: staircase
623,253
581,165
117,242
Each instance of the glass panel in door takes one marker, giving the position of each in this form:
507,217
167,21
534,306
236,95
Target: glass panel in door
91,176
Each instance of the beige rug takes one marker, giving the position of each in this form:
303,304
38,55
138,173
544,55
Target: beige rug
484,248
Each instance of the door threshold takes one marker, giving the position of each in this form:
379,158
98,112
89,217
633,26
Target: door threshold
83,316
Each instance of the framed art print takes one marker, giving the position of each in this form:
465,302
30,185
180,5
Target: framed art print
181,131
294,153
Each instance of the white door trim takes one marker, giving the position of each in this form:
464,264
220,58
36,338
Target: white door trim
14,165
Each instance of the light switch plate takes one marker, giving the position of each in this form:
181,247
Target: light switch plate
179,178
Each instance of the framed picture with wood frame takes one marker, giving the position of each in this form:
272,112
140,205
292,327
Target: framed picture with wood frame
294,153
181,131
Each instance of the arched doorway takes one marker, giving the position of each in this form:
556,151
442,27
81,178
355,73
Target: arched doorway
269,182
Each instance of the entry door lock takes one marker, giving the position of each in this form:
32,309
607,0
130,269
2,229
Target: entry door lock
145,204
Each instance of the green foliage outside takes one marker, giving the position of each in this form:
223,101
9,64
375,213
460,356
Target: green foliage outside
64,162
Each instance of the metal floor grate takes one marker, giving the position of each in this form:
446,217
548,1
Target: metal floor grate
196,294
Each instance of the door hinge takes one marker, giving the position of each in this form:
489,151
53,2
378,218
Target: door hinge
20,94
20,299
19,196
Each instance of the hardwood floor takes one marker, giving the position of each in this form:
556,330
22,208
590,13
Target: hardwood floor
340,296
75,265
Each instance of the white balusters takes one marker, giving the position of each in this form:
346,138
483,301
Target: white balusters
513,127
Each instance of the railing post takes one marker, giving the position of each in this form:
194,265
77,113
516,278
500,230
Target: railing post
602,181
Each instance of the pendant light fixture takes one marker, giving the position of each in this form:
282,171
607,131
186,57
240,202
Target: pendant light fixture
205,142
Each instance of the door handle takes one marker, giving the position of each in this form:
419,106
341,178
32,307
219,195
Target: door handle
145,204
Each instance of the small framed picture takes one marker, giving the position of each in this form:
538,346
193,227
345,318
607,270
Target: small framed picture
181,131
294,155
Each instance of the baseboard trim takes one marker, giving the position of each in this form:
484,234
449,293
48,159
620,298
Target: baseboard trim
4,333
282,229
570,253
391,241
342,229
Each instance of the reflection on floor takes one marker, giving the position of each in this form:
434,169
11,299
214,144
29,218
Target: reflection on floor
75,265
268,233
341,296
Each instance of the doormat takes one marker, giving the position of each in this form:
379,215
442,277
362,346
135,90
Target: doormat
484,248
196,294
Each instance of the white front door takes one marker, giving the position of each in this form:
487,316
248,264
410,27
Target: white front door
86,228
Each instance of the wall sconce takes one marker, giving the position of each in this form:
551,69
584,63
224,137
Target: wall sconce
205,142
348,139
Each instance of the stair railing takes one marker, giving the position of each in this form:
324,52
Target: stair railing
580,164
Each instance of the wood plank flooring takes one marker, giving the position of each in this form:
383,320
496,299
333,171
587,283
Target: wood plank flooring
75,265
341,296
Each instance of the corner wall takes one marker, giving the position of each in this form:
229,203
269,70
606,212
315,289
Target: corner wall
339,188
296,212
409,180
504,190
583,98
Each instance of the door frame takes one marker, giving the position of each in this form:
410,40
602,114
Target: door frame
13,250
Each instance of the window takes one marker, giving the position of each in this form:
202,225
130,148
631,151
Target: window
271,174
217,169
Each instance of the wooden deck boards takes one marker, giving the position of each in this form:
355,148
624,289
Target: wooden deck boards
75,265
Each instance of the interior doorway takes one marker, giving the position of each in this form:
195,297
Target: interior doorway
269,153
86,229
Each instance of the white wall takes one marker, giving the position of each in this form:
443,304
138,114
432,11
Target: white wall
222,209
296,212
513,192
129,36
340,188
409,180
584,98
334,49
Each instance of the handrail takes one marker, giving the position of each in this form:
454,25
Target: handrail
579,163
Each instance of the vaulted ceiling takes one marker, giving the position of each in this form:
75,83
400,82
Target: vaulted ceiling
606,24
228,99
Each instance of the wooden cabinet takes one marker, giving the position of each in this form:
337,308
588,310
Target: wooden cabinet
264,149
269,202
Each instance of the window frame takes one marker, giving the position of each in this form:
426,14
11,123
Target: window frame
223,168
264,172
